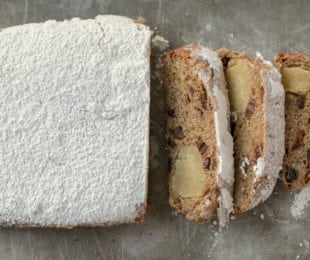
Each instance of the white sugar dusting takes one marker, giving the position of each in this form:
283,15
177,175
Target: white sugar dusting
259,167
160,42
225,177
300,203
78,108
245,163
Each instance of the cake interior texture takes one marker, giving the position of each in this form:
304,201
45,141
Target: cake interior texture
191,137
74,113
248,126
295,70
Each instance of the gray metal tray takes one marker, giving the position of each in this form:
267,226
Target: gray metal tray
267,232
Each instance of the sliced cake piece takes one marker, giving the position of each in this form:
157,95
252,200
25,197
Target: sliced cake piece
200,145
257,108
295,70
74,112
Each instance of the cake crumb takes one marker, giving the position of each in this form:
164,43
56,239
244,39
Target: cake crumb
262,216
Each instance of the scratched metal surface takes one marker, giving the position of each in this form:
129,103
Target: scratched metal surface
269,231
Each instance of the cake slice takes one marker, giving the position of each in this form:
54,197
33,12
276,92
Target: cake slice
199,142
74,113
257,109
295,70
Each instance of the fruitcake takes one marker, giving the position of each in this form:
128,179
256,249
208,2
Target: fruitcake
74,112
200,145
257,124
295,70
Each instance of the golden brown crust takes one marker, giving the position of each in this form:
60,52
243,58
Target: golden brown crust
293,59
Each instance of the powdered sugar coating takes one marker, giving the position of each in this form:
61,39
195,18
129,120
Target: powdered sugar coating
269,167
224,139
74,116
259,168
245,163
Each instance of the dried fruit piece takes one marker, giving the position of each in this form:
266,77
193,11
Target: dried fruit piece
207,163
189,179
299,140
225,61
204,100
295,80
250,108
178,133
301,101
238,77
203,148
171,113
291,175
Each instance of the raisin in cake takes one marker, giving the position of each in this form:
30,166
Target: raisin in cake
200,145
74,112
257,108
295,70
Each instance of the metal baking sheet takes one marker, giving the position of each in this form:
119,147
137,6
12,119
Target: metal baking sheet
267,232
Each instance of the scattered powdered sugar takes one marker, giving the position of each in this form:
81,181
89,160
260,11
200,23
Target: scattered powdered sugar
301,202
259,167
234,116
245,163
266,62
226,199
160,42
